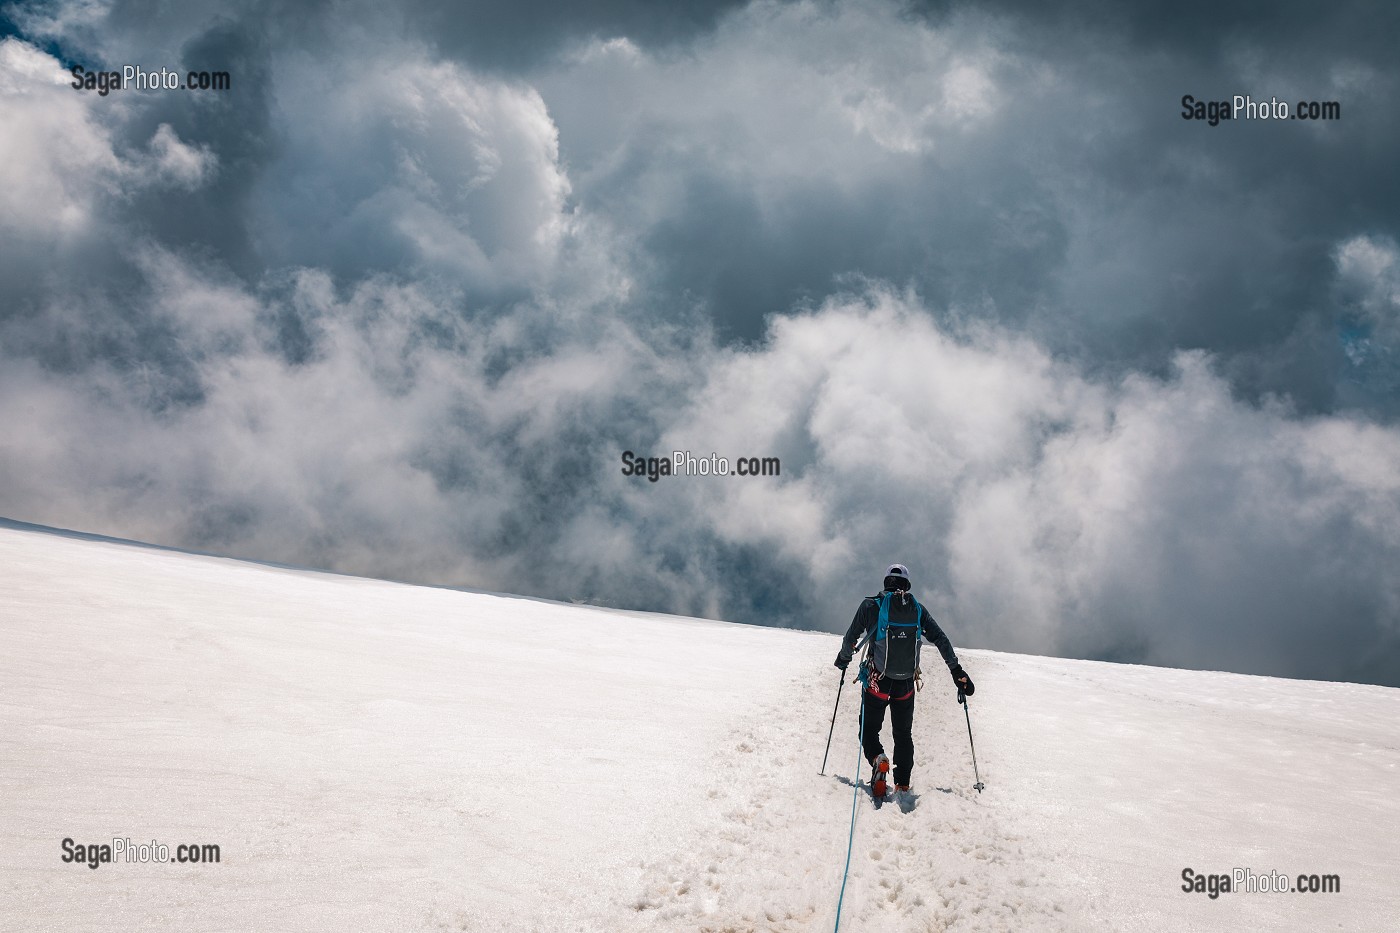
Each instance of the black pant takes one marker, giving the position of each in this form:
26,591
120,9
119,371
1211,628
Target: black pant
901,719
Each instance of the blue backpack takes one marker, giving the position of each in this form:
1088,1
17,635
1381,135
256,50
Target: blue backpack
894,648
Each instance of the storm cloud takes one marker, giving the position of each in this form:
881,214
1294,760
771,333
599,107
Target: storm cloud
1114,384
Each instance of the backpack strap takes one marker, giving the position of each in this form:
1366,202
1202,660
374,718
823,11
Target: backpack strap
882,625
867,676
871,634
918,642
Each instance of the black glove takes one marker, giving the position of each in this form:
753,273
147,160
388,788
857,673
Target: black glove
842,663
962,681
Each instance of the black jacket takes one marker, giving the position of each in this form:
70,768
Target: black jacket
869,614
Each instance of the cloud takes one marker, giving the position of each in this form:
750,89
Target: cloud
55,157
1026,169
1152,520
452,174
1037,174
1369,270
1113,384
1368,294
183,165
795,144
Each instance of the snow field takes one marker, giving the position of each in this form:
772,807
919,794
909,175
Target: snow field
369,756
1139,772
773,855
373,756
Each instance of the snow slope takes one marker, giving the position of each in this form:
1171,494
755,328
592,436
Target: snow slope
375,756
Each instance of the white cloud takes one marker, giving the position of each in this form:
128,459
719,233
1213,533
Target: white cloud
1369,269
179,163
406,163
1042,510
785,92
56,154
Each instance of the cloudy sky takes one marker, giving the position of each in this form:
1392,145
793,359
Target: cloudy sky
1113,383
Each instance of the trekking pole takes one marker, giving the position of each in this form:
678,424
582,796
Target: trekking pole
839,685
963,700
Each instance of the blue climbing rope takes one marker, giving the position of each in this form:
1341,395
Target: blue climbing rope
855,799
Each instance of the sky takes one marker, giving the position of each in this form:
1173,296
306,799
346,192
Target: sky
1113,384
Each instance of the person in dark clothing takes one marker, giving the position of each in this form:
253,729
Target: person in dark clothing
896,694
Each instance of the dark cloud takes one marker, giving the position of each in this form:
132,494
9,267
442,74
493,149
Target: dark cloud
508,35
502,36
1197,30
1081,204
1114,384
